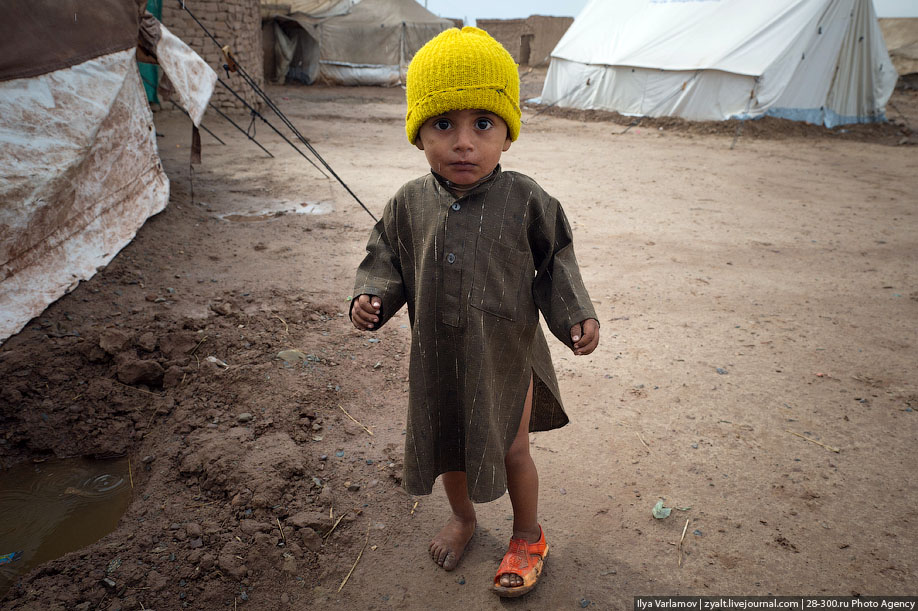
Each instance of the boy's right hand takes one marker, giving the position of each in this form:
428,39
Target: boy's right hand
365,312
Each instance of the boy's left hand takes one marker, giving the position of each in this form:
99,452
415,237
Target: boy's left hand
585,336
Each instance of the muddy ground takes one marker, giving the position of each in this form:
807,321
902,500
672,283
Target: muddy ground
758,293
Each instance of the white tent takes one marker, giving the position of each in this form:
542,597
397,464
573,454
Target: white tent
79,167
819,61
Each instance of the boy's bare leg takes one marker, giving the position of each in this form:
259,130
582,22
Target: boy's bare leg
448,546
523,486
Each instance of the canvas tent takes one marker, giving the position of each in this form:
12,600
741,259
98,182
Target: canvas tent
370,45
79,167
819,61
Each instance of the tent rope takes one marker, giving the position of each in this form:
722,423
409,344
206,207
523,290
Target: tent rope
255,113
239,127
233,64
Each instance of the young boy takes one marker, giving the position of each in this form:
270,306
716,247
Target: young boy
476,253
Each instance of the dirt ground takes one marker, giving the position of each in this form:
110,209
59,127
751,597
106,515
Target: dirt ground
757,287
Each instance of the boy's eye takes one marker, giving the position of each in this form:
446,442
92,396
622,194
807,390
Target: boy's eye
483,123
441,124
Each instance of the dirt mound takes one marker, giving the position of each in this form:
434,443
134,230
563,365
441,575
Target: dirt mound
237,450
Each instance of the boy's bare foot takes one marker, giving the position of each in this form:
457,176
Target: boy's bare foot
448,546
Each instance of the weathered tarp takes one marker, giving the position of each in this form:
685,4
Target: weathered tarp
371,45
819,61
40,36
316,8
79,167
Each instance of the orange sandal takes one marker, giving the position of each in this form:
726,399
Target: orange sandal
523,559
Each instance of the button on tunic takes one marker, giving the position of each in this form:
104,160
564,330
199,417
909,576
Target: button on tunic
475,271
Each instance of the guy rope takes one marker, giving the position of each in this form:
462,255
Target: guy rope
231,64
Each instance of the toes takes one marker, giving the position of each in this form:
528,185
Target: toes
510,580
450,561
436,553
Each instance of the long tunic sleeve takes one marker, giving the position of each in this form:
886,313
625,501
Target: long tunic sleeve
475,271
380,274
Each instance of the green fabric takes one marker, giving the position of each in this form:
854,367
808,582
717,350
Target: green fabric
149,73
475,272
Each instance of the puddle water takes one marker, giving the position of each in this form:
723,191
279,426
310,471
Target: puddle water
51,508
279,209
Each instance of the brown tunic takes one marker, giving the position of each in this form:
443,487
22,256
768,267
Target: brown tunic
475,271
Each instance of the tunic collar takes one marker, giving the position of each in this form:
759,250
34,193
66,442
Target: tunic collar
460,191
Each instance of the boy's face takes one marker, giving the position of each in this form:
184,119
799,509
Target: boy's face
463,146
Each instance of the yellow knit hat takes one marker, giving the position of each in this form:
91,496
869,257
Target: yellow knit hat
458,70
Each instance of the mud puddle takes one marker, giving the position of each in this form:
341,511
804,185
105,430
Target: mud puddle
51,508
279,209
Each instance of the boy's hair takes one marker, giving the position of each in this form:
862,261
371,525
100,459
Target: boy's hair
458,70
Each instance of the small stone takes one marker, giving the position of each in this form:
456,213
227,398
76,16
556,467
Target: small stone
156,581
114,341
696,532
722,371
311,539
244,417
461,581
147,342
584,603
243,596
353,487
292,356
223,309
285,599
196,543
316,520
140,372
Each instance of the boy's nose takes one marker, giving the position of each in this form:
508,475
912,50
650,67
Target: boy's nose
463,139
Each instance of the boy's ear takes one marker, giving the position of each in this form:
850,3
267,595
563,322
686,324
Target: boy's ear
507,144
420,144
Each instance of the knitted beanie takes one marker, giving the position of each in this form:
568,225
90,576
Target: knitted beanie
459,70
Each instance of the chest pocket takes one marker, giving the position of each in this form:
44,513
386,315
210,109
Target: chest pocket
500,272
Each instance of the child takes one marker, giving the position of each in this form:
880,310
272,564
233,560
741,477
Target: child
476,253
